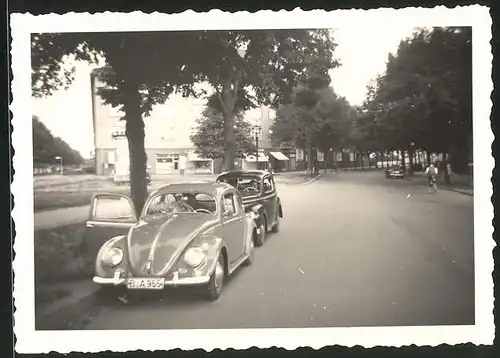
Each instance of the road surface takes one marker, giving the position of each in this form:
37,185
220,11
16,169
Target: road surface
354,249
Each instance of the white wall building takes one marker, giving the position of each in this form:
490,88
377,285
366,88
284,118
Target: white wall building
168,146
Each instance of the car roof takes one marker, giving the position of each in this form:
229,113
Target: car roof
213,188
236,173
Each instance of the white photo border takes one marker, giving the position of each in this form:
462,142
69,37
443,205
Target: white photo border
31,341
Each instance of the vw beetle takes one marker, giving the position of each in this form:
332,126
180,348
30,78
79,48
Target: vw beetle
189,234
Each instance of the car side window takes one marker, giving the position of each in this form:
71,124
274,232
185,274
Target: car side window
268,185
112,207
229,205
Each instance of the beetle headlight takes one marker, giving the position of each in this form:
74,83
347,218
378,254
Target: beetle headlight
194,257
113,257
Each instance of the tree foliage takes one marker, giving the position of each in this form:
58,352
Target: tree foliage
316,118
425,95
260,67
209,136
46,147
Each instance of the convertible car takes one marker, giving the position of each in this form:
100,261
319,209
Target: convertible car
258,190
190,234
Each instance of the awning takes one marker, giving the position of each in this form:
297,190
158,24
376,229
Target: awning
279,156
251,158
193,157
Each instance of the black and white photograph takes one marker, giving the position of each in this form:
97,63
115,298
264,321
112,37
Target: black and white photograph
230,180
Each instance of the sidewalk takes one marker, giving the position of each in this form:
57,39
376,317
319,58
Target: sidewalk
459,183
298,177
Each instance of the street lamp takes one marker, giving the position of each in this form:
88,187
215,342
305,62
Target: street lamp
61,163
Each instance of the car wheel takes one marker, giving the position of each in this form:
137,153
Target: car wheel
263,231
216,279
276,227
251,254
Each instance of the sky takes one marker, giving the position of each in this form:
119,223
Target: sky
362,51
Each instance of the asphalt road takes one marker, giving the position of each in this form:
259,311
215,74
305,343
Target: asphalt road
354,249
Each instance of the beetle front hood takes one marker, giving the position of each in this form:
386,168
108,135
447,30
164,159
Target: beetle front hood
160,240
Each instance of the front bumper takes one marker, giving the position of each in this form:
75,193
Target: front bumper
175,281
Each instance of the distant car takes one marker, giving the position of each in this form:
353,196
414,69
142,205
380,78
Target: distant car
189,234
395,171
258,190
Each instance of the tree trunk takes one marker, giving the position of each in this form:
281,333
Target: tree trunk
228,98
326,158
446,174
135,134
410,157
309,158
230,142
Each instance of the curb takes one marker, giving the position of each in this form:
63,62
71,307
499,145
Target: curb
62,316
457,191
311,180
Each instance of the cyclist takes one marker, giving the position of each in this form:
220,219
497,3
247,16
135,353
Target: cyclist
431,172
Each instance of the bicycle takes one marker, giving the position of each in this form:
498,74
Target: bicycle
432,185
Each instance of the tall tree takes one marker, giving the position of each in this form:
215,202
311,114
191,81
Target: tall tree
46,147
258,68
425,94
316,118
209,139
141,71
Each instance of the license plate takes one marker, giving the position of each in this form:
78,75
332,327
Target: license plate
145,283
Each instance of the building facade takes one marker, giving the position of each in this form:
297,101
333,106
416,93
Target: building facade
168,145
168,128
278,159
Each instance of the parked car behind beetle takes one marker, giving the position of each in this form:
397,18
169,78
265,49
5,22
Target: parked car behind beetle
260,197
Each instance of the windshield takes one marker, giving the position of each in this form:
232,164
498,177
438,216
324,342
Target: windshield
247,185
191,202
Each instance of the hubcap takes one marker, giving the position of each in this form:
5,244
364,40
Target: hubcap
219,276
262,232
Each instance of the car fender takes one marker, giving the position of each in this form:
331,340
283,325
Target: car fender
280,208
212,246
252,226
259,211
117,241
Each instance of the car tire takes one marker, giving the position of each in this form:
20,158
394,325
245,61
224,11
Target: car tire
263,231
276,227
216,282
250,258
